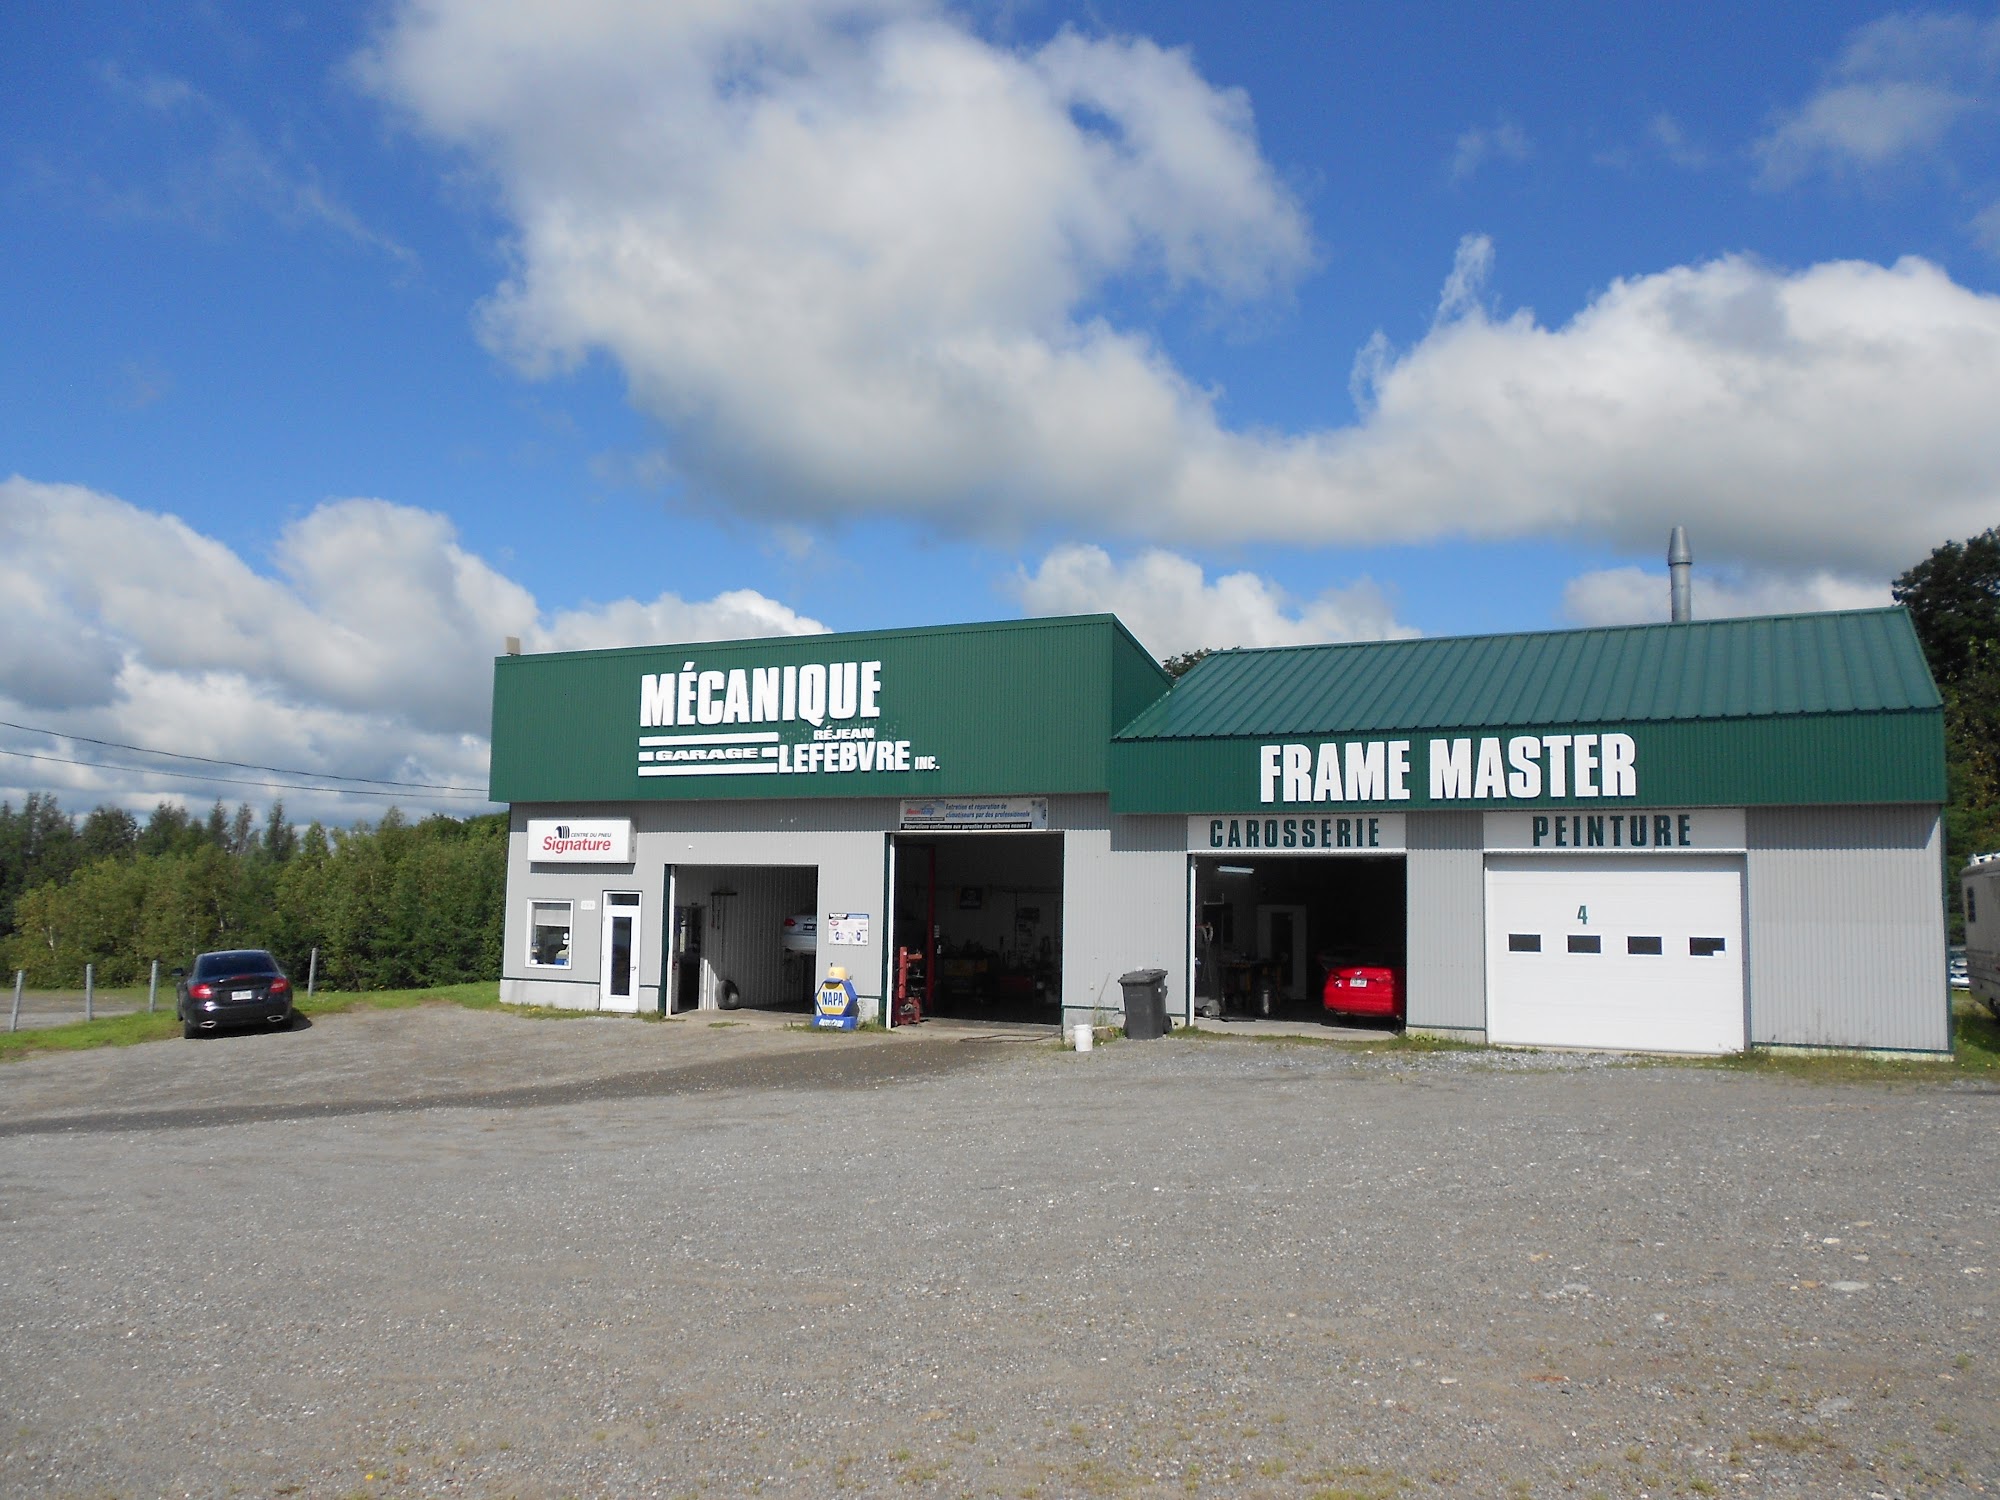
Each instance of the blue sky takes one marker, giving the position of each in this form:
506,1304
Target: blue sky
336,344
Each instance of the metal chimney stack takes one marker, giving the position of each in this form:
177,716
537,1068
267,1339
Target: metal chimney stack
1680,569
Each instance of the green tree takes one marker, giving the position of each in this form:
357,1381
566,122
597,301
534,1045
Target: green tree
42,942
37,845
1953,597
243,831
168,831
1185,662
103,909
108,833
390,905
173,928
299,903
281,840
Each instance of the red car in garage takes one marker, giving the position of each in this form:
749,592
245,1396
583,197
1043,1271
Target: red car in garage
1364,990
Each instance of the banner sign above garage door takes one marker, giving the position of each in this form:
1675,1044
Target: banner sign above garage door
1710,829
976,815
1362,833
580,841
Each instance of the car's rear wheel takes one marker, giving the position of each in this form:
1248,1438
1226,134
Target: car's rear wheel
189,1031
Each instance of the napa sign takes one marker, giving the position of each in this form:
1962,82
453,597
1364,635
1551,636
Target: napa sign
1469,769
793,720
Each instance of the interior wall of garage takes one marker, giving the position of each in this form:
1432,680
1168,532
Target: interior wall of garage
1846,928
743,914
1447,923
1125,895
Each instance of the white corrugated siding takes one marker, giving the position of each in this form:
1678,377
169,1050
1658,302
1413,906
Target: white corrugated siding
844,841
1846,928
1447,921
1125,903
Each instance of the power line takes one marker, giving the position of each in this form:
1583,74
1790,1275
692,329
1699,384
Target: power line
241,765
202,776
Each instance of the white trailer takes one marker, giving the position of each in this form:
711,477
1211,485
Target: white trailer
1980,887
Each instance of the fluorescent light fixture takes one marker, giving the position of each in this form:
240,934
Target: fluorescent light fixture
1234,870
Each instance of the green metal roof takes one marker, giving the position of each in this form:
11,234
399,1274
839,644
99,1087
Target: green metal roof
1856,662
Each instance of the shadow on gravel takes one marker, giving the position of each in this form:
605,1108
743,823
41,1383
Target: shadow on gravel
300,1021
834,1068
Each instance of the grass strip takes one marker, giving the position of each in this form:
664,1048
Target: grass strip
124,1031
1975,1035
1975,1055
82,1036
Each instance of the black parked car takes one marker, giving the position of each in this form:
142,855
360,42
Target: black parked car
237,987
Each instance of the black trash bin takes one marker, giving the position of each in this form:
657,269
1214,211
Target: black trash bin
1145,1003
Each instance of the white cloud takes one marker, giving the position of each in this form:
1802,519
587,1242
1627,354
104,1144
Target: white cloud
854,258
1632,596
1671,140
1986,229
1465,287
368,652
848,251
1900,86
1474,148
1834,417
221,166
1167,602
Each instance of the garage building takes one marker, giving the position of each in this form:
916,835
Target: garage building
1687,837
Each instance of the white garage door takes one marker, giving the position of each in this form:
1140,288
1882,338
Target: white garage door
1637,952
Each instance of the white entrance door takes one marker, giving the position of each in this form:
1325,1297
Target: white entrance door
618,975
1641,952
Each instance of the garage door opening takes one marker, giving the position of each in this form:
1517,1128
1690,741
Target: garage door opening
742,936
1270,930
979,924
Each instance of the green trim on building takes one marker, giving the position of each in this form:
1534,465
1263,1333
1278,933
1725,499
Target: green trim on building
1009,707
1800,761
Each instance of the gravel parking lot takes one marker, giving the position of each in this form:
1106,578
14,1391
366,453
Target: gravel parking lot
452,1252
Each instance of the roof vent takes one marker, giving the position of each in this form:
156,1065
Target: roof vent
1680,570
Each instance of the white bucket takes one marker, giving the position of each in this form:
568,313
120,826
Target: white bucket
1084,1036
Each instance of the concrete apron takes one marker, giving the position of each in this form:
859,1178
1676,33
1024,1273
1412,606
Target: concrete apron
1318,1031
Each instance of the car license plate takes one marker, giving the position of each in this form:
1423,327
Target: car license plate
244,995
1357,983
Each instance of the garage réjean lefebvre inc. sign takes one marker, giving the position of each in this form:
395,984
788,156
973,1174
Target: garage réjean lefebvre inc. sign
816,715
